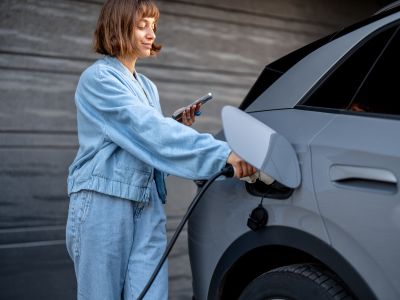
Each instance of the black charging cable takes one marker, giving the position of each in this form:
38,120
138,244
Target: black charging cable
227,171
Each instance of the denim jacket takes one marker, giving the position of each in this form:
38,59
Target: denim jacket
125,141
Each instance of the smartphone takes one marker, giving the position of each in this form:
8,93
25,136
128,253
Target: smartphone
177,115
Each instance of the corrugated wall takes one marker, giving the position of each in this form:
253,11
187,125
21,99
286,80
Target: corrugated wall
217,46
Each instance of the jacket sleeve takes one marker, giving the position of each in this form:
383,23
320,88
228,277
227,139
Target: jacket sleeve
141,130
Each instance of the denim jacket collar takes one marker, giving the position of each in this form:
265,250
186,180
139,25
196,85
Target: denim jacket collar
114,62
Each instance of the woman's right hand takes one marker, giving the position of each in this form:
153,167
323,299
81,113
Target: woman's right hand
241,167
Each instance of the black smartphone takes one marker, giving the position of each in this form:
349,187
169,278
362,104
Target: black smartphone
177,115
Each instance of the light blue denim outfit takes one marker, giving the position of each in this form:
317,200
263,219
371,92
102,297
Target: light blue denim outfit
116,221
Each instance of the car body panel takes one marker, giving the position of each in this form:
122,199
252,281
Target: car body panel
361,211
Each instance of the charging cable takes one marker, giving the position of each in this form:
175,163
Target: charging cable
227,171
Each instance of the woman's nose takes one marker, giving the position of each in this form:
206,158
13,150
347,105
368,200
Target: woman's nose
150,34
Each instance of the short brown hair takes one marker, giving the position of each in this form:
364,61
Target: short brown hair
115,27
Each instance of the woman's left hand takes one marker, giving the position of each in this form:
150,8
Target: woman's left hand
189,115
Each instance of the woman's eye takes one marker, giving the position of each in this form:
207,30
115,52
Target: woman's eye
143,25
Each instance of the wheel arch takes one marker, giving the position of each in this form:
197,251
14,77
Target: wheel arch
276,246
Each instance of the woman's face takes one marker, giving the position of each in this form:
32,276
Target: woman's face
144,36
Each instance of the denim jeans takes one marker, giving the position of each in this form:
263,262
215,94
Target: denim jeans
115,245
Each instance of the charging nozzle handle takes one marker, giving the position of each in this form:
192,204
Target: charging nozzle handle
228,170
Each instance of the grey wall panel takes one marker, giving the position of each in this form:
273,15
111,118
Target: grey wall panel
26,62
33,186
319,12
47,27
37,101
42,140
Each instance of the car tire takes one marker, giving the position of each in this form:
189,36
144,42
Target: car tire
296,282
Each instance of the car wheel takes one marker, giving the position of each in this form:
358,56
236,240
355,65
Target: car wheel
296,282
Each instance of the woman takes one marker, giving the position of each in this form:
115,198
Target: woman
116,221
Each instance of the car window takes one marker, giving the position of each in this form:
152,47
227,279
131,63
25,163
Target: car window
339,88
379,93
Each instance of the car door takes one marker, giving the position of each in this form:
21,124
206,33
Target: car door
356,160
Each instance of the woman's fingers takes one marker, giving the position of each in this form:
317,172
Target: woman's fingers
192,110
188,116
245,170
241,167
190,113
250,170
184,120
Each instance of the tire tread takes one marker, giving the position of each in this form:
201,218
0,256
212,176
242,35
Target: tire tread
323,278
